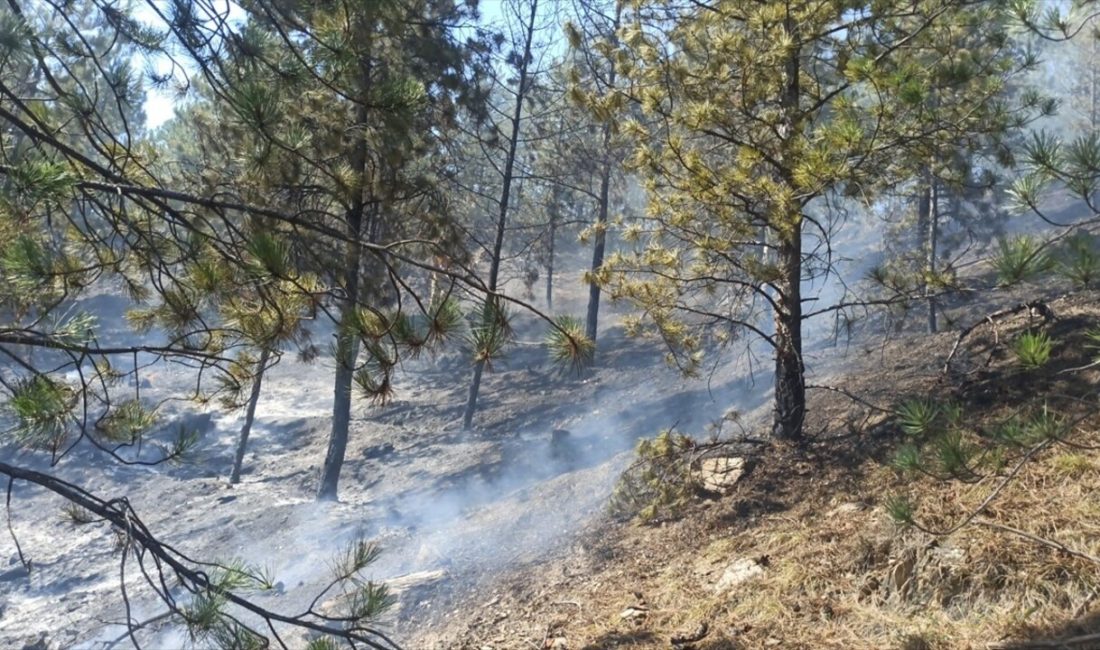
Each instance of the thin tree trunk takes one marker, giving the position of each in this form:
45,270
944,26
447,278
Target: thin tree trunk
347,351
600,244
591,321
550,259
790,386
249,417
347,340
933,252
927,231
502,217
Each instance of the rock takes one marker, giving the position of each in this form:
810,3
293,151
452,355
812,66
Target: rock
739,572
40,643
562,445
414,580
847,509
720,474
633,613
557,643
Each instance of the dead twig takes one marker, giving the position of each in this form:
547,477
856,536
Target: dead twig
1034,307
1039,540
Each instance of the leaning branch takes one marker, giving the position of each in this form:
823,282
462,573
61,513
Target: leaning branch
121,515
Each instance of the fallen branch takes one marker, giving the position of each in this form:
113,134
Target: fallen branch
699,634
1034,307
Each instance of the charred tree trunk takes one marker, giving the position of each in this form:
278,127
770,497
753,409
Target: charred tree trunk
505,194
249,417
790,383
790,386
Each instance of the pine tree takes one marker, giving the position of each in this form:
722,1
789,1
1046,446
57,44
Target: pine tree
757,114
339,118
526,24
593,39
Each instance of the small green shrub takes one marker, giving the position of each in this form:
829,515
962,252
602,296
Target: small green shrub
907,458
954,454
1032,349
918,417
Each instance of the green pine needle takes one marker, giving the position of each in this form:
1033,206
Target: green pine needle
43,409
369,601
1019,259
900,509
1032,349
918,417
907,458
569,346
126,422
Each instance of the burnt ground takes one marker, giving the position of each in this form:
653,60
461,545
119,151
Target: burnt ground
452,509
813,518
496,537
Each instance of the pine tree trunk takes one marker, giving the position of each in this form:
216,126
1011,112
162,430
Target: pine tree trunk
591,321
347,351
933,251
249,417
790,386
505,194
926,231
347,340
600,244
550,260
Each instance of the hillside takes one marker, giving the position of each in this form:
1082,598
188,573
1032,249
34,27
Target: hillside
801,553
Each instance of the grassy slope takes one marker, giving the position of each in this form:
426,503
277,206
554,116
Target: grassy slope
837,573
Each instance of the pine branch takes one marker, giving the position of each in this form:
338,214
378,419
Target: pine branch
122,516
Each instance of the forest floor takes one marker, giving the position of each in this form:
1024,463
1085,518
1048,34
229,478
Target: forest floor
802,553
499,538
451,509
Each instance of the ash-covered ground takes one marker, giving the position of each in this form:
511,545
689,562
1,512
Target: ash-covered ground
451,508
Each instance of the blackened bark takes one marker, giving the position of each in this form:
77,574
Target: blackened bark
790,386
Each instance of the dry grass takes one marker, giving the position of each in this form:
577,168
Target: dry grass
837,572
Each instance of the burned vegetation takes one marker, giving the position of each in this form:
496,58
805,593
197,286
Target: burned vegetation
551,324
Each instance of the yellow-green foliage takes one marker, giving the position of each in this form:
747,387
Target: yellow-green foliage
739,126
